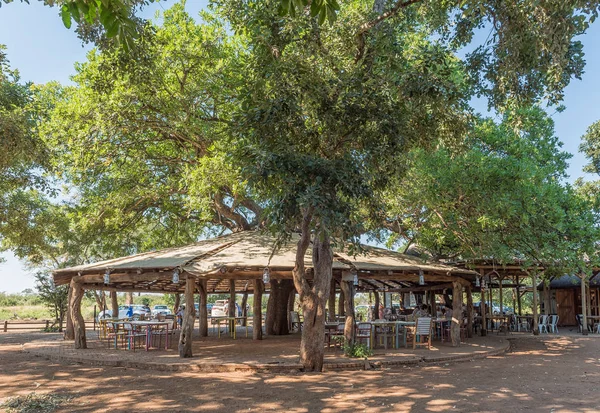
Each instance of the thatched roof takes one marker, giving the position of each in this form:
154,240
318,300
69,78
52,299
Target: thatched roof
243,256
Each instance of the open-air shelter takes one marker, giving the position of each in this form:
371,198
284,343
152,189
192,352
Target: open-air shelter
254,262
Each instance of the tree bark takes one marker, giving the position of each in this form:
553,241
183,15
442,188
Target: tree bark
376,305
313,298
348,290
189,317
259,288
277,307
456,313
128,298
202,309
69,333
331,302
114,304
231,309
469,312
342,300
244,309
535,304
78,322
177,303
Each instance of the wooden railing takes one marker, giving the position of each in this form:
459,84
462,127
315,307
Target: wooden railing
25,325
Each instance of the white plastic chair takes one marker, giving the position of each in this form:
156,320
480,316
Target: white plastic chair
543,324
553,323
422,331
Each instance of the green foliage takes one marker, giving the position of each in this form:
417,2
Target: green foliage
356,350
54,297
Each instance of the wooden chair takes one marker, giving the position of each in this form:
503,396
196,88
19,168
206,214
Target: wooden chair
363,333
422,331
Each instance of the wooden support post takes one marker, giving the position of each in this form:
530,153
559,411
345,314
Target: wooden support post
535,303
456,313
342,299
69,333
177,303
232,310
201,285
259,288
331,303
75,308
518,296
114,304
546,298
244,308
432,303
189,317
5,326
376,306
501,298
469,312
348,289
482,306
584,327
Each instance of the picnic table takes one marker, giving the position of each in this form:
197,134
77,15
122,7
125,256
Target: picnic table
148,324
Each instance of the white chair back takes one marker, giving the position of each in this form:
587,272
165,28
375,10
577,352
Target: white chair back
423,326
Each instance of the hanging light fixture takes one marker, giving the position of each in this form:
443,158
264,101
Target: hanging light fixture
421,278
266,275
355,277
477,283
107,276
175,276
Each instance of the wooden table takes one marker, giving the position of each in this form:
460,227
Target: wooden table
230,323
405,325
149,324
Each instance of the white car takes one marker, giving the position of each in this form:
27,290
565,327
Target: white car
160,309
123,313
220,309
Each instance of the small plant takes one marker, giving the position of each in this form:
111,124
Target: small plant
35,403
357,350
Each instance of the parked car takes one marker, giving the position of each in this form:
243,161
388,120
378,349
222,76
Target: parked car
209,307
161,309
141,309
221,307
124,312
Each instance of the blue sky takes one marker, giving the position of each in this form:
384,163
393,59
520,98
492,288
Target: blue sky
43,49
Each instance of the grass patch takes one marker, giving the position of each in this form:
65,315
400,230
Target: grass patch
35,403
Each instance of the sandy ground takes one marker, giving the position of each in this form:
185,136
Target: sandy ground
550,374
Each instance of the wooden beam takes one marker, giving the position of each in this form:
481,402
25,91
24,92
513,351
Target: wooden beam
187,328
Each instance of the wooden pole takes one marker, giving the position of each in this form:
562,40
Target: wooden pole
244,308
177,303
114,304
348,290
69,333
456,313
432,303
469,312
518,296
501,298
232,309
78,322
331,303
202,309
546,297
584,327
482,306
189,317
376,305
535,304
259,288
342,299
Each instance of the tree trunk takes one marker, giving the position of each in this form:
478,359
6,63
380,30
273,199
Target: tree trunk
546,297
128,298
244,309
114,304
232,310
501,298
277,307
201,285
78,322
189,317
376,305
313,298
469,312
177,303
535,304
584,327
348,290
259,288
518,295
69,333
331,303
456,313
342,300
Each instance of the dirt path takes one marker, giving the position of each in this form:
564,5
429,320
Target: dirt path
552,374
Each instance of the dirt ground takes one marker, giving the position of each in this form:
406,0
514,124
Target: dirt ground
550,374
